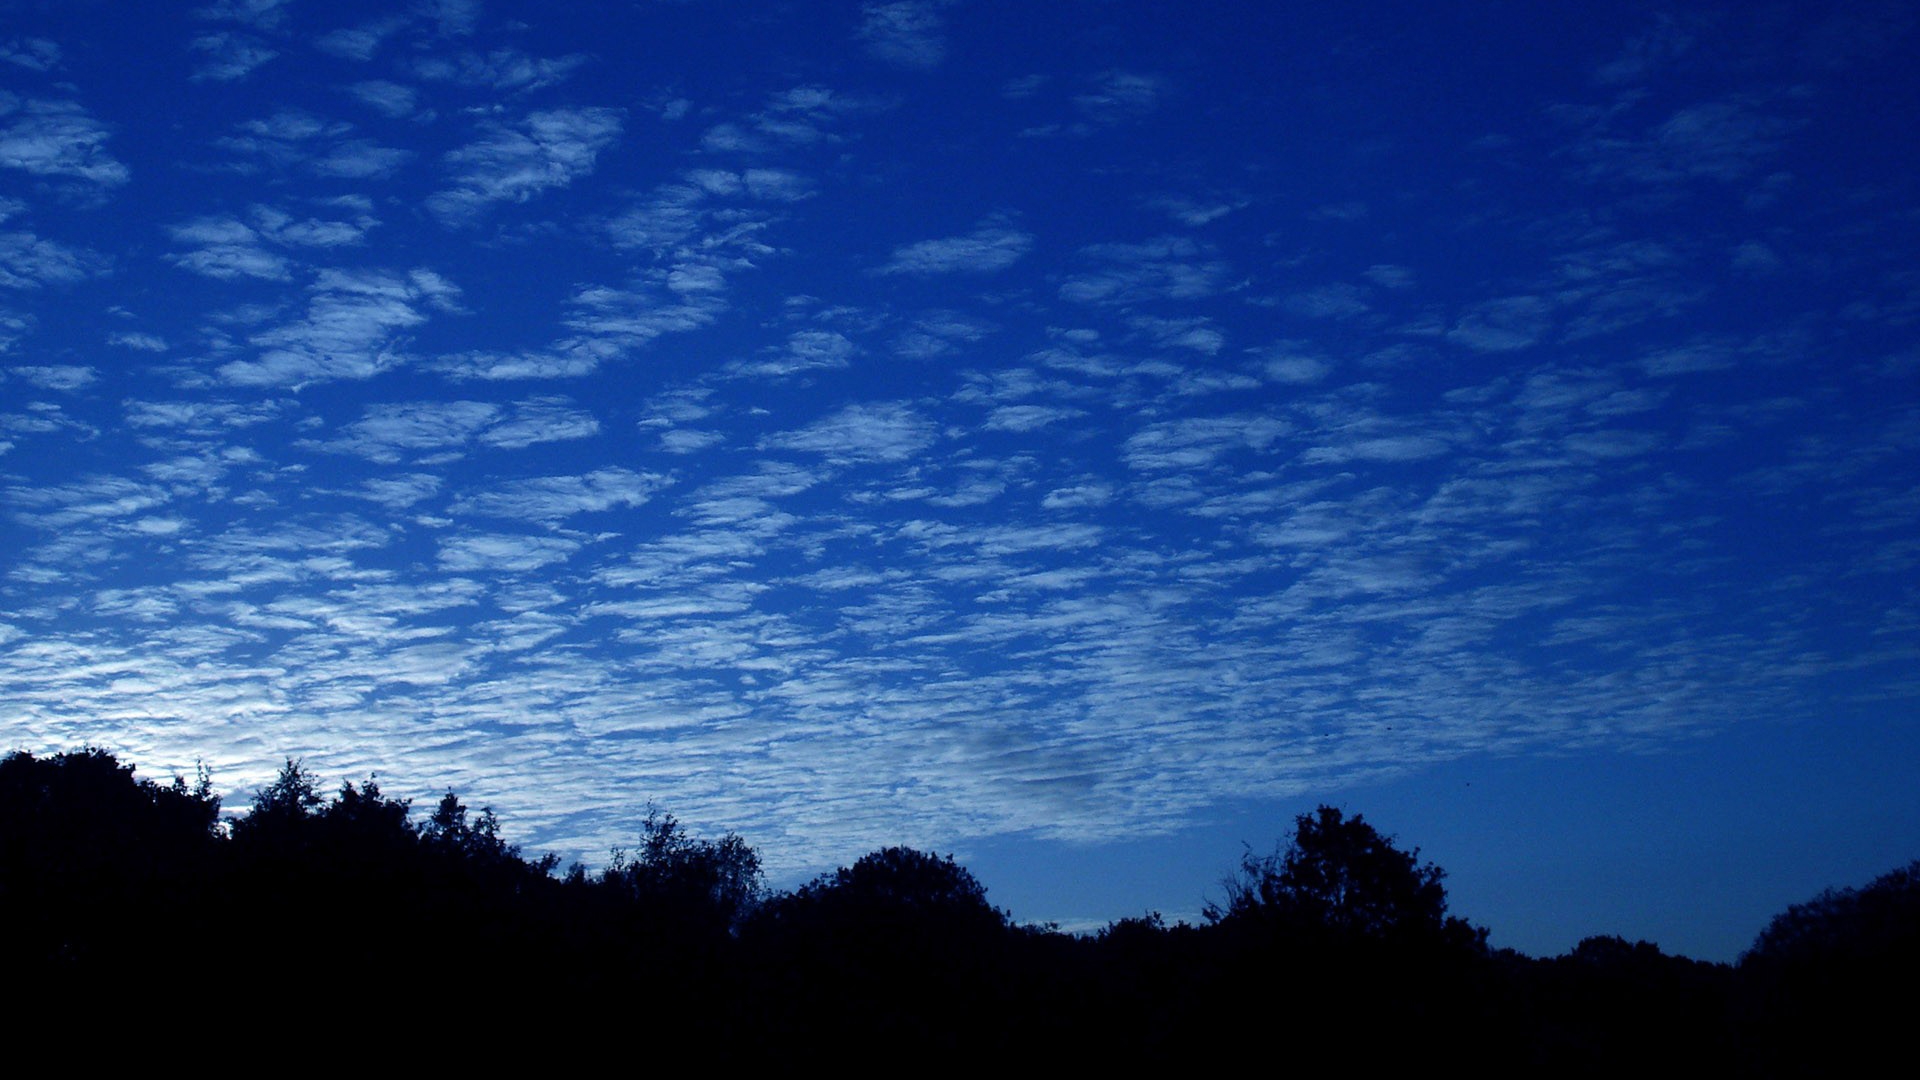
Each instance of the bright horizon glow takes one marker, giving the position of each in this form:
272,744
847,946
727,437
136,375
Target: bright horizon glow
1077,434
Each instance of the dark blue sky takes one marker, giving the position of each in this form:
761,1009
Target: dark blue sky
1078,436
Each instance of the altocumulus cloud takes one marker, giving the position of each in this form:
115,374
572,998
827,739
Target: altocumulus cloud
986,250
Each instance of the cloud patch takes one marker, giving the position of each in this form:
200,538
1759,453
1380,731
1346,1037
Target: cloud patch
986,250
56,139
515,162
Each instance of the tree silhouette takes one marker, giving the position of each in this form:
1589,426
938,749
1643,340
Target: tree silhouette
282,809
703,885
96,865
1338,876
1824,985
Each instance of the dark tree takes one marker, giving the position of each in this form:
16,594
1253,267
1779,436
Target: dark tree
900,950
901,881
1341,877
1826,986
1347,936
703,885
449,831
98,868
281,810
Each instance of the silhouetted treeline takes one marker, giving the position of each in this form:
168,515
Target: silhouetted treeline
313,918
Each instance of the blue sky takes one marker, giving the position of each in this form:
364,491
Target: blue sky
1077,436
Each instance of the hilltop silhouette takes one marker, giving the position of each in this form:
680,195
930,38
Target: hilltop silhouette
141,905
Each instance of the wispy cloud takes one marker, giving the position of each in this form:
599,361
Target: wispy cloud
228,56
909,33
805,350
501,69
1168,268
260,14
392,99
1198,442
802,116
229,248
503,553
1119,96
861,434
58,139
440,431
358,42
34,54
87,501
986,250
30,262
55,376
551,499
515,162
1503,325
349,331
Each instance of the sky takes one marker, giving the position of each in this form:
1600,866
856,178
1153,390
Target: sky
1078,436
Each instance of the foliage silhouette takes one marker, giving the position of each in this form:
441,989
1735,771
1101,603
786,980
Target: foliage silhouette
704,886
95,863
1824,985
1339,942
1340,878
281,810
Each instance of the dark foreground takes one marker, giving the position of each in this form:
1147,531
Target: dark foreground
323,929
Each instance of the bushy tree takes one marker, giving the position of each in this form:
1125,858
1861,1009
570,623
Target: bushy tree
1339,877
1878,923
281,810
96,865
901,881
711,884
1823,985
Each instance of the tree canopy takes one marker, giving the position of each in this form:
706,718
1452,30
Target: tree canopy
1338,876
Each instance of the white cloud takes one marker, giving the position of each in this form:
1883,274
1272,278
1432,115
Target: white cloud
56,138
1168,268
350,329
360,159
861,434
141,342
1284,364
1379,448
438,430
1028,417
513,163
1198,441
55,376
1195,212
29,262
1119,96
551,499
227,56
909,33
34,54
96,498
540,420
358,42
689,440
986,250
805,350
501,553
391,99
1504,325
501,70
260,14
